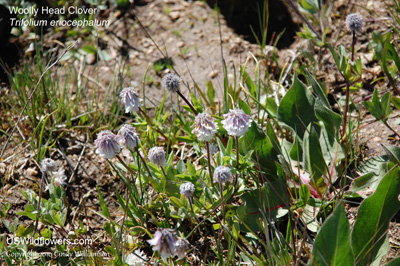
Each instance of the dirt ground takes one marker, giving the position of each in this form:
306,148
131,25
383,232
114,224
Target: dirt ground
195,38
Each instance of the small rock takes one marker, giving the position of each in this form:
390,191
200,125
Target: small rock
90,59
214,74
377,139
180,44
32,171
175,15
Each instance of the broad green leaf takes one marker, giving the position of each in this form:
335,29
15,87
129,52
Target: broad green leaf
317,89
264,153
393,152
313,160
396,102
296,109
269,199
330,119
180,166
373,218
332,244
244,107
304,192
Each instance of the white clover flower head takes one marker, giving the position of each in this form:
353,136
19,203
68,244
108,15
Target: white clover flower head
187,189
130,97
354,22
171,82
213,149
59,179
236,122
157,156
48,165
136,260
107,144
128,136
222,174
204,127
181,246
164,241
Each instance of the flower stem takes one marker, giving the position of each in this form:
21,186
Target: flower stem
39,201
392,129
187,102
209,163
237,162
346,108
130,171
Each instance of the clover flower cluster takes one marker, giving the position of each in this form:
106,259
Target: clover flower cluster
187,189
204,127
168,244
137,258
130,97
49,167
236,122
222,174
171,82
354,22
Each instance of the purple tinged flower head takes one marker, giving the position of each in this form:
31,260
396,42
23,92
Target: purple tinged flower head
204,127
48,165
107,144
157,156
187,189
181,246
164,241
213,149
128,136
130,97
222,174
171,82
354,22
236,122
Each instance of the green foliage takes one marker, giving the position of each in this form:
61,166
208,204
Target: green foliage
379,108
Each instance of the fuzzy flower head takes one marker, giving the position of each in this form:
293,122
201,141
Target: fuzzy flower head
187,189
128,136
181,246
354,22
48,165
164,241
213,149
236,122
204,127
107,144
157,156
171,82
222,174
59,178
137,259
130,98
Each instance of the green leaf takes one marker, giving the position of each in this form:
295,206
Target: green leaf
180,166
332,244
264,153
396,102
394,262
269,199
393,152
373,218
103,204
317,89
296,109
313,160
304,192
210,92
244,107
